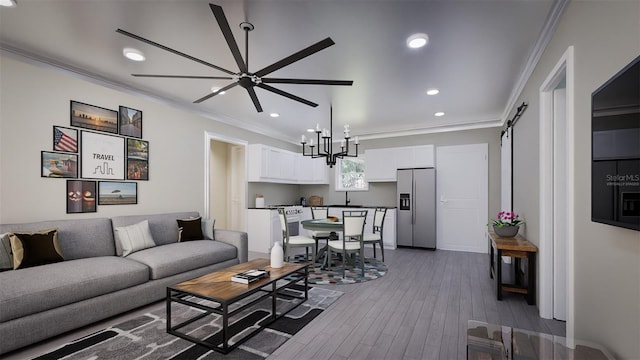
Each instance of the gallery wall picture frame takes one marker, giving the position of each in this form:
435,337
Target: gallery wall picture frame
117,193
137,159
58,165
93,117
130,122
81,196
102,156
65,139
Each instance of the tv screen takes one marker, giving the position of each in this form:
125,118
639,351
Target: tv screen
615,149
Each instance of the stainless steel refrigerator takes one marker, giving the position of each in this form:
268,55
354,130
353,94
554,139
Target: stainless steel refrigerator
417,208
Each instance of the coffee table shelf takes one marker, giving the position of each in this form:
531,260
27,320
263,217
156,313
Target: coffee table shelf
218,288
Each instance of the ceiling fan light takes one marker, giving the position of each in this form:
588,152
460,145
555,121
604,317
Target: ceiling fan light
9,3
439,113
417,40
274,115
433,91
133,54
311,130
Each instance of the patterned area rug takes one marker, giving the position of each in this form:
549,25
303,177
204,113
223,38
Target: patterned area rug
145,337
373,269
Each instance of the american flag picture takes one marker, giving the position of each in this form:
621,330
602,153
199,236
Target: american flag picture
65,139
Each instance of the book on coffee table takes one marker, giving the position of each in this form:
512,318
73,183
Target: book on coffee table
249,276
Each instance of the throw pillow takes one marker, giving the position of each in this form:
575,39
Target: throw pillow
35,248
6,256
133,238
208,230
190,229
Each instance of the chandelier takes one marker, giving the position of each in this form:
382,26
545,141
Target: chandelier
327,144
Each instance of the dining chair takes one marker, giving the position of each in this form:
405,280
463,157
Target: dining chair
376,236
320,212
352,239
295,241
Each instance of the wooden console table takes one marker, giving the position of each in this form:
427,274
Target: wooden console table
518,248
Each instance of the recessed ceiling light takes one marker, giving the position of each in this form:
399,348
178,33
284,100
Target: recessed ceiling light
216,89
433,92
133,54
274,115
311,130
8,3
417,40
439,113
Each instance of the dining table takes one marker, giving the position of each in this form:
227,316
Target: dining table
324,225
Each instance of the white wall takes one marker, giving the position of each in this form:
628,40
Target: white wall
606,37
35,98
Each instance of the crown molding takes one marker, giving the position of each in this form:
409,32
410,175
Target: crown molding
48,63
548,29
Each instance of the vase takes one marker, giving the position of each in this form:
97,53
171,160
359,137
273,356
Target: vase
277,256
506,231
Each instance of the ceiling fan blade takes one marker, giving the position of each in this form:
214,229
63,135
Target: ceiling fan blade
208,96
140,38
228,35
307,81
183,76
254,98
286,94
320,45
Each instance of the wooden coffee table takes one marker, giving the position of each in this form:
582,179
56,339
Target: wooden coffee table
218,288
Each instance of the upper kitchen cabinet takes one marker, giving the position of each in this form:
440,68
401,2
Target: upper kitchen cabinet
382,164
270,164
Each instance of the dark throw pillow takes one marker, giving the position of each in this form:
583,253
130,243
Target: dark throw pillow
190,229
33,249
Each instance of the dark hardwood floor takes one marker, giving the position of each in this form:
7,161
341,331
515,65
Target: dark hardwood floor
419,310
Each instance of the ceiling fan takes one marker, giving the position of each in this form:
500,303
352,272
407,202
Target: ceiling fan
245,78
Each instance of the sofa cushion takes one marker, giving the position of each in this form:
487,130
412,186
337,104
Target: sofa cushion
190,229
36,248
164,227
171,259
79,238
132,238
35,289
6,256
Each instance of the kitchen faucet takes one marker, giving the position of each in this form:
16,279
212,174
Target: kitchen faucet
346,198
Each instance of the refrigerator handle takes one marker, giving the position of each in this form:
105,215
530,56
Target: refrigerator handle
415,196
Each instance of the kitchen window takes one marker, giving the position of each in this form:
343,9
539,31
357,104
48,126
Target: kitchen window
350,175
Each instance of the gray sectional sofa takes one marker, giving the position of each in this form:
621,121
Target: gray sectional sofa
93,283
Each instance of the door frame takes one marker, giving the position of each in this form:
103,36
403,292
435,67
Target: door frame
564,69
208,137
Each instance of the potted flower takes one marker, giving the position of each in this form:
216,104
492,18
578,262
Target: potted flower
507,224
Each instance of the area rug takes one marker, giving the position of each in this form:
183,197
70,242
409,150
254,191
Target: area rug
145,337
373,269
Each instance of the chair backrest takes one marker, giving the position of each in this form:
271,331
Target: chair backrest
285,228
319,212
353,223
378,219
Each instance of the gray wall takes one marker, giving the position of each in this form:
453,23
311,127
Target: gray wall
36,98
606,37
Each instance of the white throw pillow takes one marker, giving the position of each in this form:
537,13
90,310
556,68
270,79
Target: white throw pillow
6,256
208,228
133,238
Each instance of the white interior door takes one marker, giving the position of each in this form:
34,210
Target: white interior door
559,205
462,185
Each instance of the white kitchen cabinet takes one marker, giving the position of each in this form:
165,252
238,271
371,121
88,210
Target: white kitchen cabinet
263,229
270,164
382,164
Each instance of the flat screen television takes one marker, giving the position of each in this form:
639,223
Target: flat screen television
615,149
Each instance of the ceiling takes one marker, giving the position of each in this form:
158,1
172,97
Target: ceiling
477,55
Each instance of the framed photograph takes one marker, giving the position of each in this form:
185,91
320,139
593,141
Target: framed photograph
137,159
65,139
58,165
117,193
102,156
130,122
94,117
81,196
